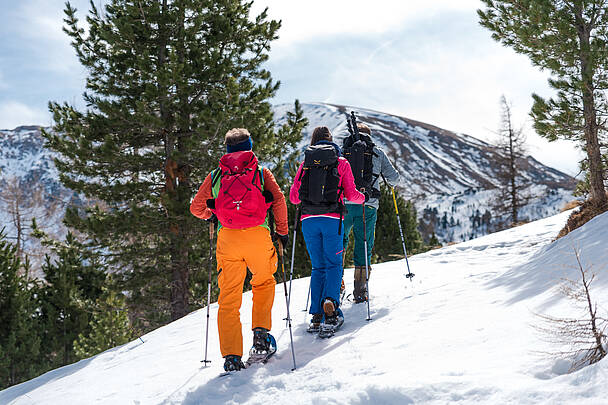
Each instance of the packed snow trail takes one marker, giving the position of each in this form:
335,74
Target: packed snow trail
461,332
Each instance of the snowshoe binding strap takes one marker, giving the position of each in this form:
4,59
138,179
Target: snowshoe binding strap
233,363
315,323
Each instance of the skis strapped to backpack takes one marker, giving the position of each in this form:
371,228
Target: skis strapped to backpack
359,151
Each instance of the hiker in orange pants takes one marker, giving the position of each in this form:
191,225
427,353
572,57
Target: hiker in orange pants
238,249
240,193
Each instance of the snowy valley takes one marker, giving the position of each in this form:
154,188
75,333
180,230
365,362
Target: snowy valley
461,332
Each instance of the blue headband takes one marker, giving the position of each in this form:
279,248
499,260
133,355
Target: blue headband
247,144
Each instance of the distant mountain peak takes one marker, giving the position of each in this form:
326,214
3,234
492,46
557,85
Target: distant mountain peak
439,168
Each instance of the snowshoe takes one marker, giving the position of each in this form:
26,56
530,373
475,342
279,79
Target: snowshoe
359,296
264,346
334,318
315,323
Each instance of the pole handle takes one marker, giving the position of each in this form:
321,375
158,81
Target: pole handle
395,201
280,249
211,229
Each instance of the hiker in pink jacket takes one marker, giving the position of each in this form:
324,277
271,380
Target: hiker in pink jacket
321,182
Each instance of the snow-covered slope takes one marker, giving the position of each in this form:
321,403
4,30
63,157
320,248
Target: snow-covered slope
451,177
462,332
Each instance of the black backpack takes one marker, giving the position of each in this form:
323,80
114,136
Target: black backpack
360,154
319,191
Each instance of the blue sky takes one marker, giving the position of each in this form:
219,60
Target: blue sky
426,60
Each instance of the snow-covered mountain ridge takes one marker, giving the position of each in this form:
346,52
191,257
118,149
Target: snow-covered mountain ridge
451,177
461,332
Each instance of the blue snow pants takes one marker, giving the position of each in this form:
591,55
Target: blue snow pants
325,249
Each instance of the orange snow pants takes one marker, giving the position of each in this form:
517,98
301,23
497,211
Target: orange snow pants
237,250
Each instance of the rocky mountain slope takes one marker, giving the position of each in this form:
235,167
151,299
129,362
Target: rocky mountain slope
451,177
30,188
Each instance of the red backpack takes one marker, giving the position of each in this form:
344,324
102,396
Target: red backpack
237,186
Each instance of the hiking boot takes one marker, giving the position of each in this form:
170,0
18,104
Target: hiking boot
261,341
315,323
233,363
359,292
333,318
329,307
360,284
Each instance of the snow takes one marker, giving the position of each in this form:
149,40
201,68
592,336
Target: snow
460,332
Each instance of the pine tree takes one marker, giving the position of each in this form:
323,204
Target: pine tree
387,245
19,338
286,169
109,326
512,196
166,79
569,39
434,242
70,279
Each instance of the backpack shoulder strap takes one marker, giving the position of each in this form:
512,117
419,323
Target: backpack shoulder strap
216,175
259,172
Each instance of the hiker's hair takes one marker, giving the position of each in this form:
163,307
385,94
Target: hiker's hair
364,128
236,135
320,134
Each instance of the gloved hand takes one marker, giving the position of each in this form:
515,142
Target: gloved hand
366,194
268,197
213,219
283,240
211,203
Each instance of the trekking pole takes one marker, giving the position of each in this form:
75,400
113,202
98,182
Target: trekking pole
293,253
307,298
293,354
409,274
369,318
211,233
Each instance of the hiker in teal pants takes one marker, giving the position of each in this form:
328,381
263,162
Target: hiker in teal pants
381,168
353,219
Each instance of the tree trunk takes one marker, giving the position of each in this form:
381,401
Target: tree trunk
179,192
512,169
592,146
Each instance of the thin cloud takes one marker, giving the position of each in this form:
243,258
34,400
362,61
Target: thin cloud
303,21
14,114
445,71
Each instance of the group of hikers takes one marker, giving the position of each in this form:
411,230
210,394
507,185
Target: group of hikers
337,189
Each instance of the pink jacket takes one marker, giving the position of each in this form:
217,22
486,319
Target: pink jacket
347,182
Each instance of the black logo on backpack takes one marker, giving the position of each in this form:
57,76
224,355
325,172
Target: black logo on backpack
319,191
359,151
